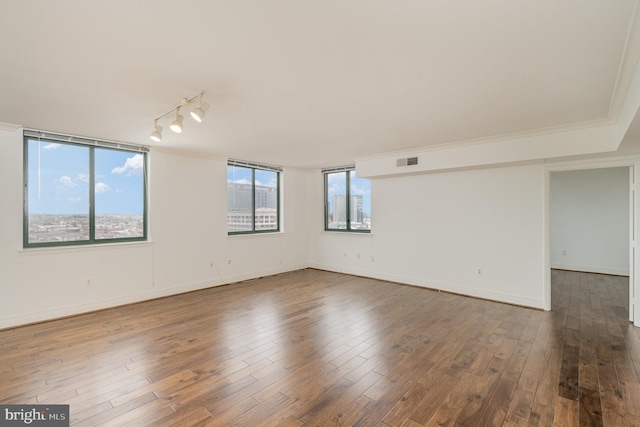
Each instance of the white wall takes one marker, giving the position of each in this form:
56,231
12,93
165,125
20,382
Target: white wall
188,232
433,230
437,230
589,220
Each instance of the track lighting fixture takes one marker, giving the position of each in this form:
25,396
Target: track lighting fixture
176,125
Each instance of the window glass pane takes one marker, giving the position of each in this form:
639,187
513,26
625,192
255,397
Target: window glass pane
119,194
239,199
62,207
58,192
337,200
266,191
360,202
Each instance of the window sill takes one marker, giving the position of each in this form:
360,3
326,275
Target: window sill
346,233
250,235
81,248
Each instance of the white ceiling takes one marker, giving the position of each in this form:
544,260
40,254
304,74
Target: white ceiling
312,83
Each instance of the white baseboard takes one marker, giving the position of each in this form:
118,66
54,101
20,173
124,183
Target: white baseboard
587,269
73,310
13,321
447,287
25,319
269,272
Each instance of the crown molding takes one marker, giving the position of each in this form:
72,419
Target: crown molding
9,127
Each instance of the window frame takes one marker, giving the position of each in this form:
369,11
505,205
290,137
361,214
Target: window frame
254,167
91,145
347,171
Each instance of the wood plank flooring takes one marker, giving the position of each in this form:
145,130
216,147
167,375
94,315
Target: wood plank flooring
316,348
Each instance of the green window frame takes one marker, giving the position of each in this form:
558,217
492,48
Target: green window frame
80,191
253,198
347,201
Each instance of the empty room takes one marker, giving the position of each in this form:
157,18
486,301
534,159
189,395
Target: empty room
312,213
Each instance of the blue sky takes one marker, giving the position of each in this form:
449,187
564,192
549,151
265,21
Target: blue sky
243,175
59,180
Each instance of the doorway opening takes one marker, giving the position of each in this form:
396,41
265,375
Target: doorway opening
591,226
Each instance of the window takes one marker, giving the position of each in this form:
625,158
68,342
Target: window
81,191
253,198
347,204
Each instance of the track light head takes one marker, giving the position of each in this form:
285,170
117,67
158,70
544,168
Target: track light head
176,125
156,135
198,113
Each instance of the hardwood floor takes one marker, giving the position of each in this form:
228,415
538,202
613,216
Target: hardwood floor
316,348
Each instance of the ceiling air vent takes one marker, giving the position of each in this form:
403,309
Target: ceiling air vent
409,161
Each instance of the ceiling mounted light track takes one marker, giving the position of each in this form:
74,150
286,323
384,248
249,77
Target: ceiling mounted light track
176,125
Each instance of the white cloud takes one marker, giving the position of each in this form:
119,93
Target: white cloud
360,189
338,187
51,146
101,187
133,165
272,182
83,177
67,181
241,181
75,199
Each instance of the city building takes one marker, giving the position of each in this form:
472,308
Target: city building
339,210
239,196
240,207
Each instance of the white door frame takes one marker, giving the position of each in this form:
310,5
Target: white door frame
634,212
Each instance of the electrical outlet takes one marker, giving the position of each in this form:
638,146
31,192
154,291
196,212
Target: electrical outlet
88,281
229,261
564,252
479,271
357,256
